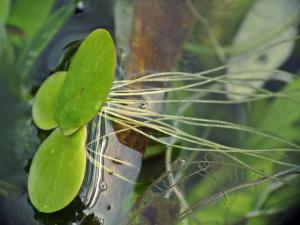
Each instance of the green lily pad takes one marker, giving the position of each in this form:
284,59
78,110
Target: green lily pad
57,171
43,107
88,82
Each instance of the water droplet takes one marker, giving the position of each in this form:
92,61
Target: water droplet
80,6
103,186
101,221
123,55
144,105
182,162
109,207
111,172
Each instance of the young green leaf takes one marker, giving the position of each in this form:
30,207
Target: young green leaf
57,171
88,82
43,107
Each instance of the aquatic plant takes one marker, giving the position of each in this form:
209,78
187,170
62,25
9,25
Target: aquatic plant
222,141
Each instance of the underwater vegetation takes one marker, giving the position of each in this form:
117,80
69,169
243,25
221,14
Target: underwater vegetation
149,112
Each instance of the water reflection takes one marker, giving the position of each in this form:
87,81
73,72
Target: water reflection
107,186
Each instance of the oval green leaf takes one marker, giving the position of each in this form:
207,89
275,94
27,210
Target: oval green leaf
57,171
88,82
43,106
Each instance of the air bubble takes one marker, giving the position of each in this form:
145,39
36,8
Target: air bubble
103,186
80,7
182,162
144,105
101,221
109,207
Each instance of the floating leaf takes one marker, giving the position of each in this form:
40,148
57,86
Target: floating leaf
88,82
43,107
57,171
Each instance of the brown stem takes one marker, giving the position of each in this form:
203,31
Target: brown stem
159,31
